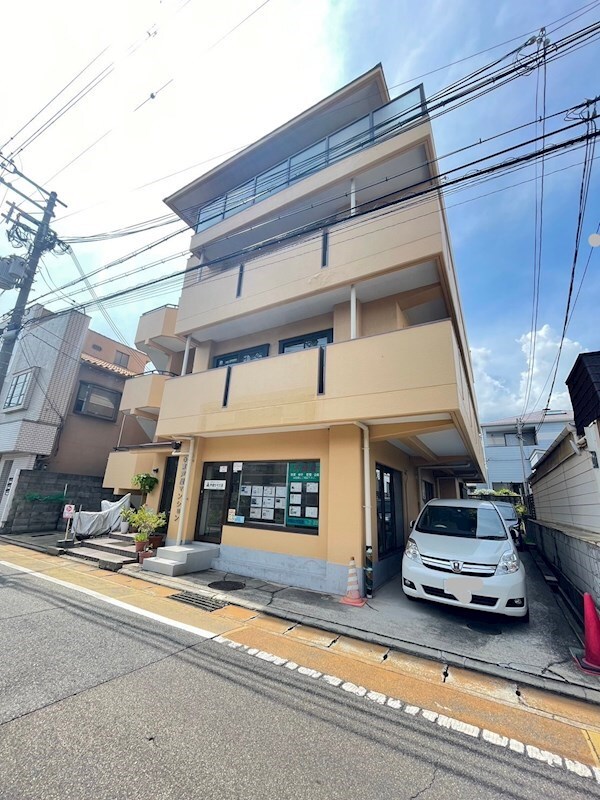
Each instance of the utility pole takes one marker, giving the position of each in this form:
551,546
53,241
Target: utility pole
43,241
520,438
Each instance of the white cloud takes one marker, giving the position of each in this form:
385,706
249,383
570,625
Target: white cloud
501,382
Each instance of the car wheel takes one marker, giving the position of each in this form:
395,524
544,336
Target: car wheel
524,619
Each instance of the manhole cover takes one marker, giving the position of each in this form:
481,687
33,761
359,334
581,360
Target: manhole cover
485,627
205,603
227,586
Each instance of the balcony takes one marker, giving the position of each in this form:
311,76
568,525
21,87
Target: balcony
121,467
142,394
411,373
156,335
368,130
408,242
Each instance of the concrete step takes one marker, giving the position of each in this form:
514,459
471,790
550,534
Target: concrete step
122,537
111,545
103,559
164,566
182,559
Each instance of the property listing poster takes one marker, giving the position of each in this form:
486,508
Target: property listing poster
303,495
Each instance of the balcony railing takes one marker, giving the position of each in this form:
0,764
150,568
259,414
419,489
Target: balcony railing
144,392
416,370
368,130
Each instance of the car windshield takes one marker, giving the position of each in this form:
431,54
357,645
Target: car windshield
468,522
508,512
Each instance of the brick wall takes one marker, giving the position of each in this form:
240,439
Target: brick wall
27,516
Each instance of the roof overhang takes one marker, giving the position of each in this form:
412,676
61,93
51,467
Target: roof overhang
356,99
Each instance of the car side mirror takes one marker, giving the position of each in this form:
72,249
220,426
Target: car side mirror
411,524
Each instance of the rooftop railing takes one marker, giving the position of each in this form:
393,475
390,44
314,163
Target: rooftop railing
380,124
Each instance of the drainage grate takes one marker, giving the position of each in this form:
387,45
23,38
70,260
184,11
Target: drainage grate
227,586
205,603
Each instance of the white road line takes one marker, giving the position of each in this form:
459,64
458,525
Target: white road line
459,726
450,723
111,601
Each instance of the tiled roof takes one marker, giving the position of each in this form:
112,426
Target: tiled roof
98,362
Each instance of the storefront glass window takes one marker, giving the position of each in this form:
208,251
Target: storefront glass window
279,493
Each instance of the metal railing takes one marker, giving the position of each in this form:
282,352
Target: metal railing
366,131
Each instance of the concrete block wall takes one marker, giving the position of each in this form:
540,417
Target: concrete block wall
575,558
28,516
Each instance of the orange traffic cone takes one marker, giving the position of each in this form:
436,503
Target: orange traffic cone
590,660
353,597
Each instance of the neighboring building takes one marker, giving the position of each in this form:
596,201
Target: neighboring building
566,489
59,407
506,462
324,387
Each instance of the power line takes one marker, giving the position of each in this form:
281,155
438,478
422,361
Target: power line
392,203
342,196
584,9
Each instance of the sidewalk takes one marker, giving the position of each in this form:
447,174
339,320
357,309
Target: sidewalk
535,654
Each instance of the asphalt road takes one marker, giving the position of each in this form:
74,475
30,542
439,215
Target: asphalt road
99,703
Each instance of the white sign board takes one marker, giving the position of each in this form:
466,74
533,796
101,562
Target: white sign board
68,511
215,484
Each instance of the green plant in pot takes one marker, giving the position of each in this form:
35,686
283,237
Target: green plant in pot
145,482
126,515
148,522
141,541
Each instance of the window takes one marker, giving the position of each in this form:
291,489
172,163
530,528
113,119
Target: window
428,491
96,401
511,438
279,494
121,359
240,356
17,393
297,343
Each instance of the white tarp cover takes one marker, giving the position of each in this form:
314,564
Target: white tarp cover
94,523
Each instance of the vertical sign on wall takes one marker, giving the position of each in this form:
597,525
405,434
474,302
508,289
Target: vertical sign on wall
303,494
180,487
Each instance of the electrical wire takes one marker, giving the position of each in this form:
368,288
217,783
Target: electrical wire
322,221
538,228
584,9
160,281
583,197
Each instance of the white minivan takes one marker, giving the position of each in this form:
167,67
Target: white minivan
460,552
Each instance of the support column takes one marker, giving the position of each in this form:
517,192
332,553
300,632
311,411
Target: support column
185,504
345,529
352,197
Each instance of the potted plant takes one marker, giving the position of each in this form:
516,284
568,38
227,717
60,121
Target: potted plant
148,522
141,541
126,514
145,482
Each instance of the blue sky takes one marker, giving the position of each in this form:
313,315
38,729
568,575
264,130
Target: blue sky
223,95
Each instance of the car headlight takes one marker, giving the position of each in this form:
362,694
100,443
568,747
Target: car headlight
509,562
412,551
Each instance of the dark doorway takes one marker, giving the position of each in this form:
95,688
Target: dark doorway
390,510
213,497
168,488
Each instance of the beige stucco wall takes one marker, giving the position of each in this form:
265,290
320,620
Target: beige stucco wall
282,390
341,513
144,391
395,241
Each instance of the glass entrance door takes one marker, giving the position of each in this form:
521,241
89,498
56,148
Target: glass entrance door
390,510
213,495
